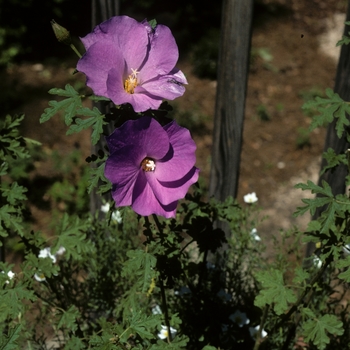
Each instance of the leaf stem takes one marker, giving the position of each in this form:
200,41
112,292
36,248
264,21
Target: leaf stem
165,308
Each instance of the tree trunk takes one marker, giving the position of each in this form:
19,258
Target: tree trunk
335,178
230,99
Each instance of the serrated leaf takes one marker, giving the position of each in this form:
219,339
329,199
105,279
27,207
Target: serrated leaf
300,275
315,330
333,160
329,108
274,291
98,179
69,105
68,319
141,264
15,193
74,343
340,265
71,235
96,120
10,219
140,324
9,341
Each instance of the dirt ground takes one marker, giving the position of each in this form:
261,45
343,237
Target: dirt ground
292,60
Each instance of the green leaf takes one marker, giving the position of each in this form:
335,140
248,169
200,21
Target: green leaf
98,179
141,264
329,108
74,343
71,235
69,105
301,276
9,342
14,194
10,220
142,324
96,120
345,39
345,263
68,319
333,160
12,300
274,291
315,329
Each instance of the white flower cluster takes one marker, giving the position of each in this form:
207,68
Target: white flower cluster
10,275
46,253
116,215
241,319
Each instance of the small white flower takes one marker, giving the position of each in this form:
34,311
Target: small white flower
254,234
239,318
61,251
163,333
346,249
105,208
156,310
39,277
250,198
116,216
254,331
10,275
317,261
46,253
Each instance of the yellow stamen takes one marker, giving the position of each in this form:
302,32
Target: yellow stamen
131,82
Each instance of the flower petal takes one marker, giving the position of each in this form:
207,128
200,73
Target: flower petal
165,87
168,191
96,64
178,163
127,35
163,54
145,203
145,134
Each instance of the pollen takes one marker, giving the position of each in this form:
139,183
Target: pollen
148,164
131,82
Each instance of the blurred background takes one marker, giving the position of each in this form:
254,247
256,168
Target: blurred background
293,58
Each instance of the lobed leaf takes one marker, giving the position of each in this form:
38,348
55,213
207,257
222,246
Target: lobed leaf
274,291
69,105
315,329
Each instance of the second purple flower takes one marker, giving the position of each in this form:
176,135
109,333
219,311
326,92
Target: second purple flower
151,166
130,62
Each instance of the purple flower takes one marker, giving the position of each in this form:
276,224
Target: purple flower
129,62
150,166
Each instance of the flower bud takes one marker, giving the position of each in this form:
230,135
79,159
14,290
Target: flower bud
61,33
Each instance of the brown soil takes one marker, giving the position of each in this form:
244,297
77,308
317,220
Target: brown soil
273,157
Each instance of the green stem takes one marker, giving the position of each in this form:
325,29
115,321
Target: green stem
75,50
165,309
261,327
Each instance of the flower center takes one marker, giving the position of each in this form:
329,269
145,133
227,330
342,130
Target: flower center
148,164
131,82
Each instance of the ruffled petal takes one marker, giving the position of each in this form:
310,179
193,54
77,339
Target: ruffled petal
168,191
165,87
145,203
163,54
97,62
180,158
127,35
